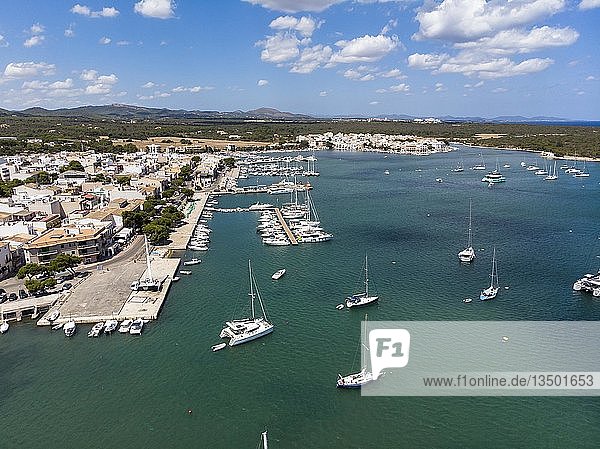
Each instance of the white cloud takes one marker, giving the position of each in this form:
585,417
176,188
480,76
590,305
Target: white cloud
589,4
392,23
279,48
34,41
311,58
364,49
107,79
66,84
400,88
107,12
439,87
28,69
426,61
393,73
3,41
97,89
323,93
464,20
70,32
381,91
517,41
261,83
154,96
373,103
194,89
89,75
37,28
293,6
104,40
148,85
157,9
123,43
499,90
352,74
492,68
304,25
591,78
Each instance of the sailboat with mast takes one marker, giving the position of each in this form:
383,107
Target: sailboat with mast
492,290
357,380
552,176
362,299
248,329
468,254
148,283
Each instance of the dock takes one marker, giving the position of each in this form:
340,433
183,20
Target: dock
181,237
285,227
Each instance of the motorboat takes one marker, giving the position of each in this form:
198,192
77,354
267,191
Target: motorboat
54,315
278,274
110,326
4,327
193,261
187,272
96,329
125,326
70,328
136,327
589,283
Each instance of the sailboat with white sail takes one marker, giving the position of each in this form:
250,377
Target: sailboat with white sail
492,290
362,299
248,329
357,380
468,254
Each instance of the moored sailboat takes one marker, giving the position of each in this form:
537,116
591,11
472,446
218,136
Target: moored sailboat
468,254
356,380
492,290
362,299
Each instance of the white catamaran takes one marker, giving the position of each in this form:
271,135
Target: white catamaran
492,290
359,379
362,299
248,329
468,254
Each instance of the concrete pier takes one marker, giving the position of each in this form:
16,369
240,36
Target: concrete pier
286,229
181,237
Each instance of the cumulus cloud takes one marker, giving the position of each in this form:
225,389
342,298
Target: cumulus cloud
364,49
400,88
323,93
311,58
104,40
393,73
89,75
148,85
106,12
98,84
494,68
33,41
465,20
157,9
37,28
154,96
279,48
426,61
28,69
589,4
261,83
70,32
518,41
293,6
304,25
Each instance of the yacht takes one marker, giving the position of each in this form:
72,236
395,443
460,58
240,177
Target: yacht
492,290
136,327
468,254
70,328
96,329
148,283
110,326
54,315
356,380
362,299
193,261
248,329
4,327
260,206
125,326
589,283
278,274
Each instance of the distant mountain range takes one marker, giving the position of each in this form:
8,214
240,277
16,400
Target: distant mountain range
129,112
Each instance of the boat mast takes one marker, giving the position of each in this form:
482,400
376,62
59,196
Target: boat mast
251,288
366,277
469,244
494,274
265,443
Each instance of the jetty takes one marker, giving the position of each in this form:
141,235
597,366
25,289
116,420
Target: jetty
181,237
285,227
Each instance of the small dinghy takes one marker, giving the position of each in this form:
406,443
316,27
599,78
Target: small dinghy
467,300
218,347
339,306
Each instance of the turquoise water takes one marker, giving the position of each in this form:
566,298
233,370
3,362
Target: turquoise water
136,392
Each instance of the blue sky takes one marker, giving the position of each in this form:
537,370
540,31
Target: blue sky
320,57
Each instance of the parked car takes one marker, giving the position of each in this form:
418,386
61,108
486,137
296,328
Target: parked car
12,296
3,298
67,286
23,294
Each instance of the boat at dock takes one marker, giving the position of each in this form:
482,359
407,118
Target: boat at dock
136,327
4,327
193,261
185,272
125,326
278,274
248,329
57,326
96,330
362,299
70,328
260,206
54,315
148,283
110,326
492,290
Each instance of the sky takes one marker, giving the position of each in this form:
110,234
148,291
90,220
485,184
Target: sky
318,57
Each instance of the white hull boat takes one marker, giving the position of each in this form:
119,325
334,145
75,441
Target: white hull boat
492,290
70,328
125,326
96,330
362,299
278,274
110,326
467,255
193,261
136,327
